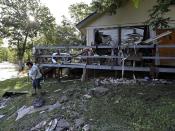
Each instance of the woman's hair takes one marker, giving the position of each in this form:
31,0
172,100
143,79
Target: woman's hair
29,63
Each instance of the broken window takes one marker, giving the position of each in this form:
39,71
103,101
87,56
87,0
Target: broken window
105,36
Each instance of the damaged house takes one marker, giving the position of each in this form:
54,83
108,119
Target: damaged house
128,26
123,41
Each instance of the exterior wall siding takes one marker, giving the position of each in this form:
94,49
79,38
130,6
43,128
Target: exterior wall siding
128,15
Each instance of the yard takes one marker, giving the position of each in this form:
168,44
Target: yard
144,105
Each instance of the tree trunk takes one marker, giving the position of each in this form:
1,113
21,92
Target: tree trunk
21,51
21,65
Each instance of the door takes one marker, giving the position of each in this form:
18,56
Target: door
167,52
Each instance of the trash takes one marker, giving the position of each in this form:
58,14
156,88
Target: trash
62,125
63,99
29,110
57,90
79,122
140,93
24,111
42,112
146,78
1,116
39,126
52,125
87,96
38,102
108,81
99,91
54,106
2,106
86,127
3,103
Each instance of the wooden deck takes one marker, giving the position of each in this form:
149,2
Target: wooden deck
43,58
107,67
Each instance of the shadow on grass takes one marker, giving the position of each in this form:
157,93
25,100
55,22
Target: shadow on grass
16,84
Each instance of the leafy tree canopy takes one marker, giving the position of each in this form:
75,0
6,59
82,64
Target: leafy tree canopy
79,11
66,33
22,20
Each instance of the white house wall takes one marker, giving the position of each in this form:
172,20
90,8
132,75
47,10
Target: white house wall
90,36
125,16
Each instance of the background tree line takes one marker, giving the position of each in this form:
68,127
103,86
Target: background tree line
27,23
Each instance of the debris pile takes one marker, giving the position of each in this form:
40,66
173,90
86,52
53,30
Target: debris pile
3,102
24,110
146,80
61,124
109,81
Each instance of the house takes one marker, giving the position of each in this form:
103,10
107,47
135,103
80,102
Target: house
127,21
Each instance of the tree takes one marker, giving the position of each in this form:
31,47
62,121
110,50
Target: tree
21,21
157,16
66,33
79,11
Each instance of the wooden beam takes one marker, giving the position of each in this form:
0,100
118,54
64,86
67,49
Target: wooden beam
111,57
104,47
106,67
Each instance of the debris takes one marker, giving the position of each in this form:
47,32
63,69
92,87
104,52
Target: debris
87,96
2,106
14,93
3,103
52,125
99,91
54,106
73,114
42,112
63,99
39,126
1,116
86,127
62,125
108,81
79,122
23,111
29,110
146,78
74,80
57,90
140,93
118,100
38,102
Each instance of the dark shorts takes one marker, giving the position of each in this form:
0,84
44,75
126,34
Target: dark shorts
36,83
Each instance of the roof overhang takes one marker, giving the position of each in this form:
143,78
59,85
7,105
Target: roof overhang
87,20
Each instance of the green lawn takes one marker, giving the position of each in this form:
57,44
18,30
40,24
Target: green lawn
16,84
139,107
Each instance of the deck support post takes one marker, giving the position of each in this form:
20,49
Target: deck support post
84,75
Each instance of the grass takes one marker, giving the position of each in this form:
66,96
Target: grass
16,84
140,107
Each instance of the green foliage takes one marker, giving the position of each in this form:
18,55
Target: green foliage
1,41
12,56
67,33
110,6
3,54
158,18
23,20
7,54
136,3
79,11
